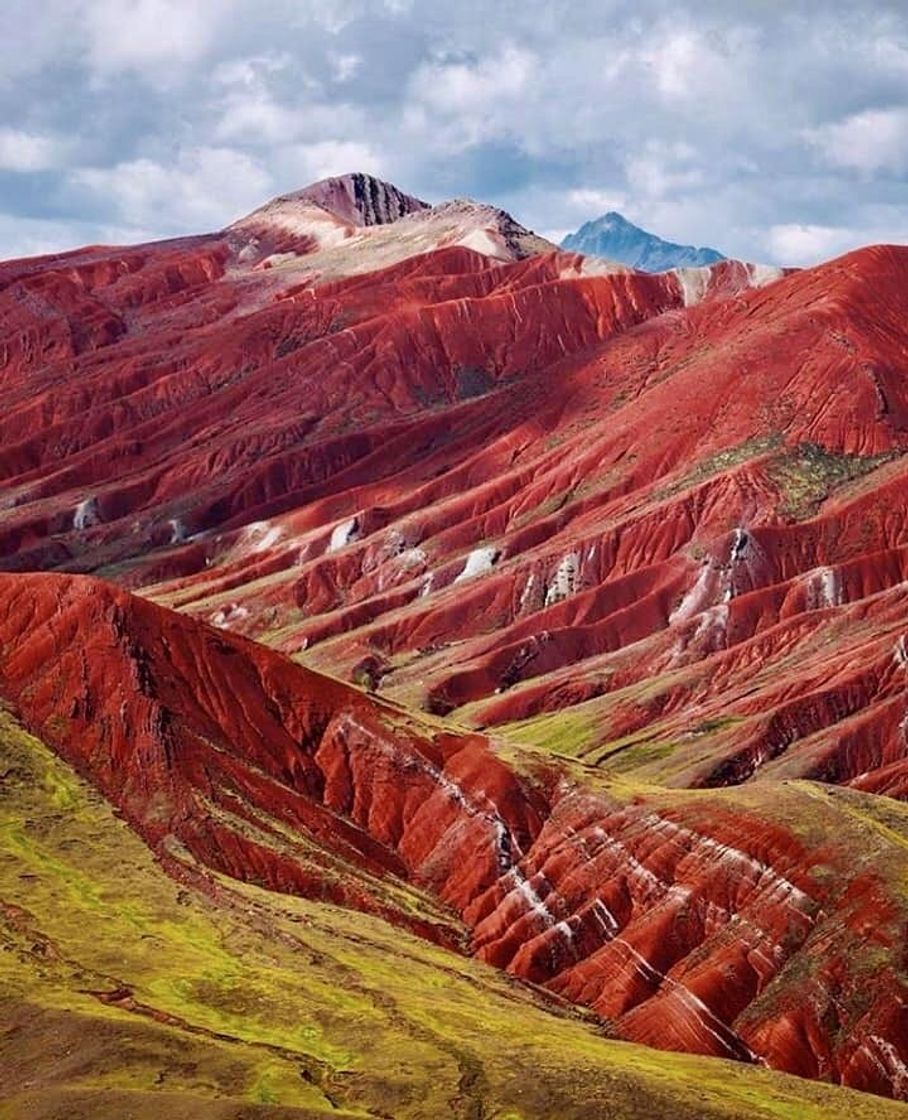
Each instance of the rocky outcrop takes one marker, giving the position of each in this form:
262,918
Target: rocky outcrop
357,199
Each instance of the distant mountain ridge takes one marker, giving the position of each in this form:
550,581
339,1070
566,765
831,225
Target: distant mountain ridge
614,237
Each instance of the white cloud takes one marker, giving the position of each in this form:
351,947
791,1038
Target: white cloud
249,72
304,163
456,104
247,109
664,167
799,244
556,236
807,244
152,37
254,117
587,202
28,237
205,188
344,66
869,141
703,66
28,151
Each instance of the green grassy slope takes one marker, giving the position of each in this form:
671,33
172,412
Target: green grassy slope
125,993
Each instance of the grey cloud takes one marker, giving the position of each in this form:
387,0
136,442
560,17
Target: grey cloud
775,133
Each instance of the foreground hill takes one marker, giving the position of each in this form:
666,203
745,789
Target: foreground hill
615,238
132,994
766,925
576,598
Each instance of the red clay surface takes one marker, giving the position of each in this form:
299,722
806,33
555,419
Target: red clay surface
653,523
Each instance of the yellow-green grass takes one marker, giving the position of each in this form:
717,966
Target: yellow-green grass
125,992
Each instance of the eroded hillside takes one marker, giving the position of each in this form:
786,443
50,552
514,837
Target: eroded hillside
550,612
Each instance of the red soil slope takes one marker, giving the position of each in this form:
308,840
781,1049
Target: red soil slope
656,524
704,922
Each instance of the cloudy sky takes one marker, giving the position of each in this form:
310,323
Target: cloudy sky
772,130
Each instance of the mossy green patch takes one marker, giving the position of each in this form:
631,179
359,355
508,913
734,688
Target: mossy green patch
571,733
807,474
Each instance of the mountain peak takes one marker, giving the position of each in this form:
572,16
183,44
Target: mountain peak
614,237
355,198
359,199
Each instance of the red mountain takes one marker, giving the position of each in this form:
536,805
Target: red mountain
614,562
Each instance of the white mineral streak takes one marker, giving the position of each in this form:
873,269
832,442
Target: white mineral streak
605,918
527,593
177,531
889,1061
565,580
524,889
824,589
477,805
694,283
763,274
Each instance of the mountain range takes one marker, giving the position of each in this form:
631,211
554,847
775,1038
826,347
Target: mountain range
615,238
443,674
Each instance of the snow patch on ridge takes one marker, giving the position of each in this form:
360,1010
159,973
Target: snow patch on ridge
258,536
229,614
343,534
86,514
715,620
479,561
412,558
824,589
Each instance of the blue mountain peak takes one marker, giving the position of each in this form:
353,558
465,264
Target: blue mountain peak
612,236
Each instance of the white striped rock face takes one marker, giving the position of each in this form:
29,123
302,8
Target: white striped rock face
672,930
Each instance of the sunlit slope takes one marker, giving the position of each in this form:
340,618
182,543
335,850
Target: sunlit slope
127,993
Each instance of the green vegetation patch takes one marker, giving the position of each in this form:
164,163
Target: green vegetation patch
809,473
572,732
721,461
